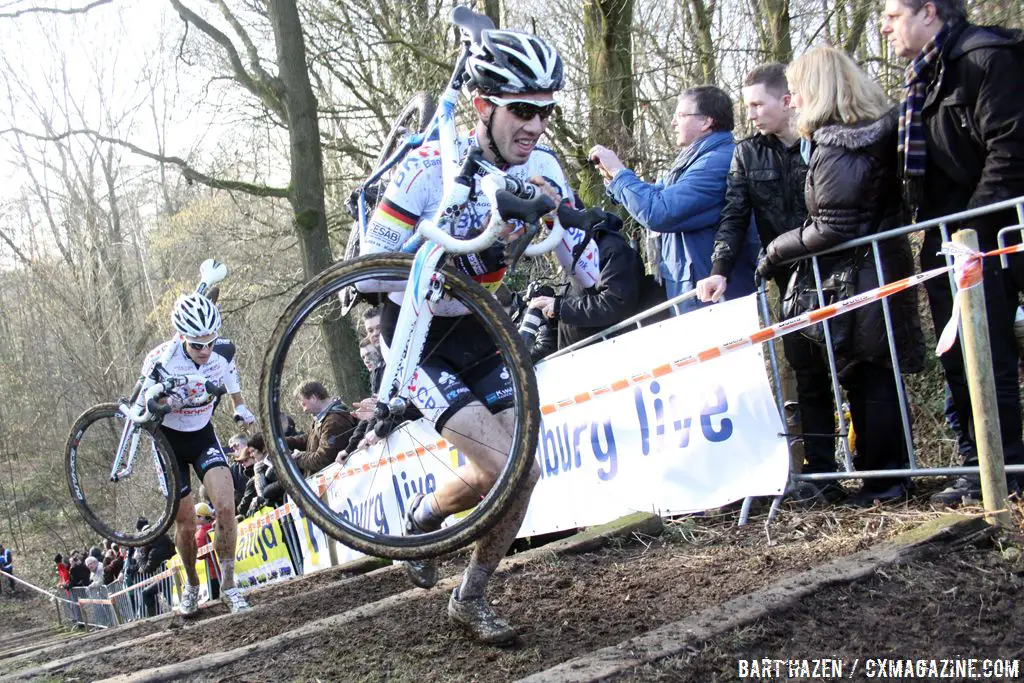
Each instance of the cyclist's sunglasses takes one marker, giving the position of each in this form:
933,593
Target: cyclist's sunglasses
525,110
201,346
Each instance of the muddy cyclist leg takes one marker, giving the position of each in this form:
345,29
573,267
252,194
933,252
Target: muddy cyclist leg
185,537
221,491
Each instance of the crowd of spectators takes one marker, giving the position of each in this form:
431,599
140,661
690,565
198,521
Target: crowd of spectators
108,562
834,160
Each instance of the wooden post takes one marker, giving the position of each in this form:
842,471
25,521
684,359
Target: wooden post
982,387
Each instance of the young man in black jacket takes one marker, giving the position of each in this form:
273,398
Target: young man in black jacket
766,183
961,146
585,312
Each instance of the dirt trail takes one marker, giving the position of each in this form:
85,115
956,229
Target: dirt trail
949,606
563,607
566,606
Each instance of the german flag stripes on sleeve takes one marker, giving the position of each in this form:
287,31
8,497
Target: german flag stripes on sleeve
389,228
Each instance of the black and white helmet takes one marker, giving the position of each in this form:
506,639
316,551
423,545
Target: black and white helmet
513,62
195,316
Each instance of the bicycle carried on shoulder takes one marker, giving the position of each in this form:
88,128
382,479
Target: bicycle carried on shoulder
362,503
121,471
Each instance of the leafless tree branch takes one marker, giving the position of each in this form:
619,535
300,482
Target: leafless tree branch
54,10
188,171
264,87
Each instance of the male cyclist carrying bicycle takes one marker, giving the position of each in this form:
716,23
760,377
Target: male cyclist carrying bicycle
198,350
462,386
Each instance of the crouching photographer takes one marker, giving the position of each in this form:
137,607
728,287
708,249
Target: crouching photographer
537,332
585,311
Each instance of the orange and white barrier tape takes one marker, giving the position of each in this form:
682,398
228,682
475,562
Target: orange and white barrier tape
274,515
323,481
141,584
967,266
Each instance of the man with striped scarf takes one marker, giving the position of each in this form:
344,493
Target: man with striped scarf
961,145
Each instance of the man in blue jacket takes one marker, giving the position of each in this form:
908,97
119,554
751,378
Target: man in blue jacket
685,205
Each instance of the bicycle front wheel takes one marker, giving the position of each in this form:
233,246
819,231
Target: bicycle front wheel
139,503
364,503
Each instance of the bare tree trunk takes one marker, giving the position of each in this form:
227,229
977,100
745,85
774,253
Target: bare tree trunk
857,25
700,16
306,190
774,29
608,34
115,250
492,8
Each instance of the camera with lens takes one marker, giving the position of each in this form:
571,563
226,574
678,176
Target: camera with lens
532,319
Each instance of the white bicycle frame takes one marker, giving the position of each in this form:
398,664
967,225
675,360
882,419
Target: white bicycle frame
211,272
426,280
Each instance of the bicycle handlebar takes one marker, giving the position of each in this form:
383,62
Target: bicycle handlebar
148,406
581,220
491,185
527,210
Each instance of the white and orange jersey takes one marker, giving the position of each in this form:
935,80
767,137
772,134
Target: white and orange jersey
219,369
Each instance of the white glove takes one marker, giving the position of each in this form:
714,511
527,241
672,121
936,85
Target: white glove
243,414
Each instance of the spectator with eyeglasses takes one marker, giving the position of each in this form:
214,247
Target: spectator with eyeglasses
198,350
683,208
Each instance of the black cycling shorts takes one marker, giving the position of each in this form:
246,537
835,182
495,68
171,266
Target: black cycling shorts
200,449
460,365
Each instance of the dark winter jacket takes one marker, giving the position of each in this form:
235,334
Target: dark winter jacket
155,554
974,131
615,297
766,182
853,191
112,569
80,575
268,489
249,494
238,481
329,434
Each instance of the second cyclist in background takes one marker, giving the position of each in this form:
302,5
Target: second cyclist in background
198,350
463,387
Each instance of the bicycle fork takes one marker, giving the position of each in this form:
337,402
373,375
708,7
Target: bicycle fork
127,448
426,286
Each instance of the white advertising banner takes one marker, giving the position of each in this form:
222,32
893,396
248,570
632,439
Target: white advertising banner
312,541
661,438
678,440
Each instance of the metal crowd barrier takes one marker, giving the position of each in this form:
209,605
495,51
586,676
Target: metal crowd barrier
844,457
941,224
96,605
120,601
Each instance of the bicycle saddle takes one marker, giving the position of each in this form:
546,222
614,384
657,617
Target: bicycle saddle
471,23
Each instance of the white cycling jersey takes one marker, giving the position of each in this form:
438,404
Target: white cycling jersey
416,190
219,369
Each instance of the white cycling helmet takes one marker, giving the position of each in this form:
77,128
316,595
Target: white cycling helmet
513,62
195,316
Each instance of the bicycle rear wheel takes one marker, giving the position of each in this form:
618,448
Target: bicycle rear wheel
363,503
414,118
114,509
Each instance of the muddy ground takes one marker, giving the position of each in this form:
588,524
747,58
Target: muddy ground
563,606
567,606
962,604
